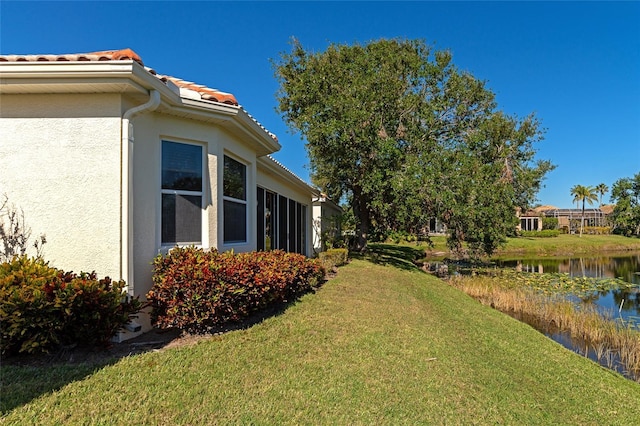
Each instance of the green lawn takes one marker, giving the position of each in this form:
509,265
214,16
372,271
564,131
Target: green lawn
382,343
562,245
568,245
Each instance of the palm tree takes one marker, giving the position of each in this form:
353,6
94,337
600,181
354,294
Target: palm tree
584,193
574,192
602,189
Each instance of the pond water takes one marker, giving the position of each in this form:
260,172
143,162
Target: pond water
622,303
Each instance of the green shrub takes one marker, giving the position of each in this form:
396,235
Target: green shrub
597,230
547,233
42,307
549,223
333,258
195,290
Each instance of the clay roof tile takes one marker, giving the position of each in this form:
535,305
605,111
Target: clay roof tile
206,93
105,55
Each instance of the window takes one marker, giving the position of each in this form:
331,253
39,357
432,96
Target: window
267,214
181,193
234,201
270,213
283,220
293,238
302,235
281,223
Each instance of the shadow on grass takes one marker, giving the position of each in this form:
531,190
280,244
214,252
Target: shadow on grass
22,383
401,257
24,378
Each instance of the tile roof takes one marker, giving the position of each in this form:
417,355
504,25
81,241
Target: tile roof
106,55
607,208
546,207
205,93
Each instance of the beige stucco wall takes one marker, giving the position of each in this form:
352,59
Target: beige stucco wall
150,130
317,227
60,163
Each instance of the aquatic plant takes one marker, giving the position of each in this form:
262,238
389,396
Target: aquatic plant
545,302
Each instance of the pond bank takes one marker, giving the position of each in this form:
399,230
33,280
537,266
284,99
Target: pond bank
578,327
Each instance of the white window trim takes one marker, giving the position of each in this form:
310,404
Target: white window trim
238,201
165,247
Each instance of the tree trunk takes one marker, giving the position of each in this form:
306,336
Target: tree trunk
582,221
363,221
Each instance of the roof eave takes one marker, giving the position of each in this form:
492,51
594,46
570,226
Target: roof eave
325,200
61,77
129,75
27,69
271,165
233,118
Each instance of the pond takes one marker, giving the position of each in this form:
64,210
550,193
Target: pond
623,303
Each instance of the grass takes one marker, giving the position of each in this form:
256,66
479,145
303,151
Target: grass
562,245
382,343
568,245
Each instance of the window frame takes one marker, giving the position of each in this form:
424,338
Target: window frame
182,192
237,201
267,219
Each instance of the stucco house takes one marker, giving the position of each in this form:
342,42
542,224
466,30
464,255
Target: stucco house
530,220
570,219
116,163
326,222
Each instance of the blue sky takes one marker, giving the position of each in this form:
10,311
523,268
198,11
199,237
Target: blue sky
576,65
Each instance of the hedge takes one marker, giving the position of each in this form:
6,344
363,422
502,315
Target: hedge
42,307
195,290
333,258
547,233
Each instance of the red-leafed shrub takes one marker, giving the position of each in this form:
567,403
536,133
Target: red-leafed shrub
195,290
42,307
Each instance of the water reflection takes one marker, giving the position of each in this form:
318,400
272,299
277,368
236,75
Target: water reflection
624,303
625,267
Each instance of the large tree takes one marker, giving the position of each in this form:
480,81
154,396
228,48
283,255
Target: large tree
625,193
399,131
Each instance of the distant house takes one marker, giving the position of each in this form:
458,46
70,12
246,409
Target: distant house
530,220
569,220
326,222
436,227
116,163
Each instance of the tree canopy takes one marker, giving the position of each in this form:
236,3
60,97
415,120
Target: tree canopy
601,189
625,193
398,131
